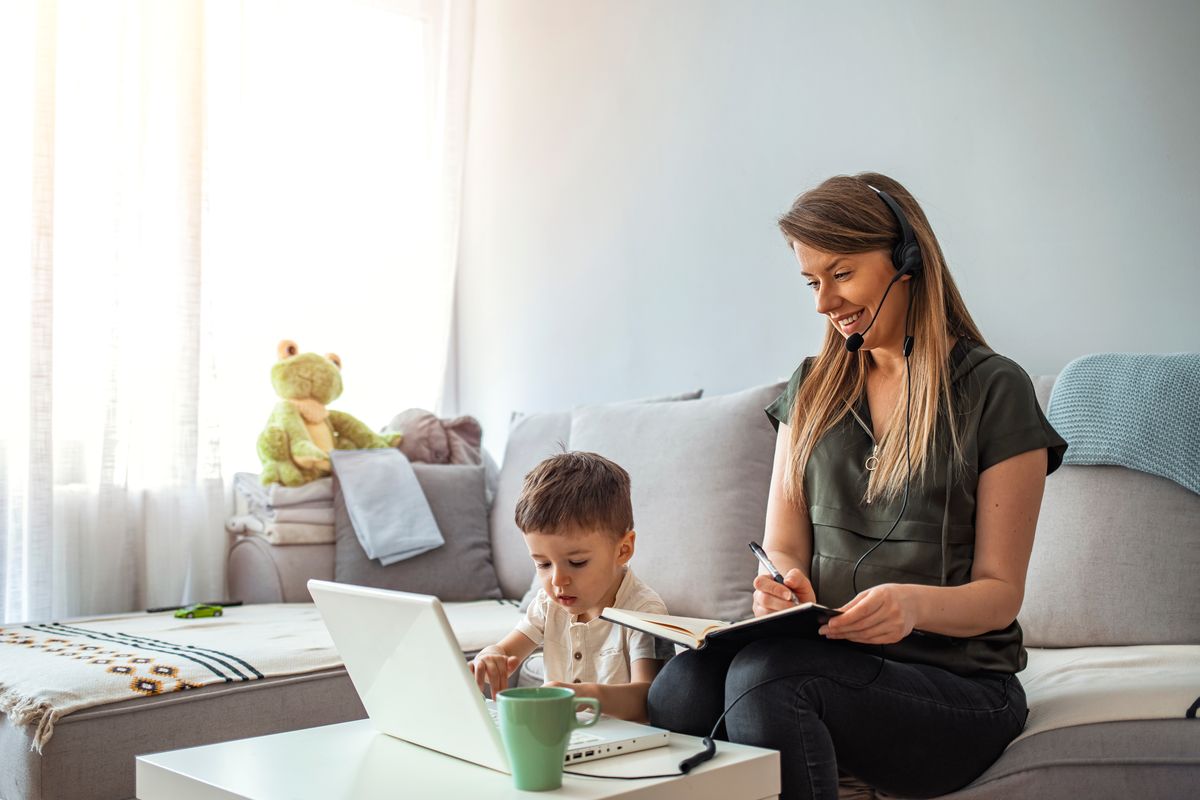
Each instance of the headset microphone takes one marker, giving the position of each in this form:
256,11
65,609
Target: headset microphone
856,339
906,257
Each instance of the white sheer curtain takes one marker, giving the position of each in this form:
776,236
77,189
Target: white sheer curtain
182,184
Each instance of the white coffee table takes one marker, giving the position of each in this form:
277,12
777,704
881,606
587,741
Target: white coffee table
353,760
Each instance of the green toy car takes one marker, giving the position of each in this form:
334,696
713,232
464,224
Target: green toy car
199,610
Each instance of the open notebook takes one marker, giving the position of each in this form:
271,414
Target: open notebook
797,621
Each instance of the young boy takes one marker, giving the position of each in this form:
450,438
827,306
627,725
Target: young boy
577,518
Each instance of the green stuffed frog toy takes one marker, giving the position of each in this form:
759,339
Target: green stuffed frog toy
294,448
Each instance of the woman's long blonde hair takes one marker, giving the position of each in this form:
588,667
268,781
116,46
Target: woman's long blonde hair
843,215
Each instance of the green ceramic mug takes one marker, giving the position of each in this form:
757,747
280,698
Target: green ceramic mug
535,725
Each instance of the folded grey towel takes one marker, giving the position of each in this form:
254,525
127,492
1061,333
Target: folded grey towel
308,516
386,504
315,516
278,496
281,533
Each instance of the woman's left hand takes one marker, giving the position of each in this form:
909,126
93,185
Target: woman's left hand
883,614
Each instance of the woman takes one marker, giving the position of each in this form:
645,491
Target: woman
909,467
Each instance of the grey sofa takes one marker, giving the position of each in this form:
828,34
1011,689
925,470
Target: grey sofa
1112,608
1112,597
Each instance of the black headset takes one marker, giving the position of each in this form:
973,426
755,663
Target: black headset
906,255
906,258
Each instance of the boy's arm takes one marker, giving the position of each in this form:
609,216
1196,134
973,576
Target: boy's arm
622,700
494,663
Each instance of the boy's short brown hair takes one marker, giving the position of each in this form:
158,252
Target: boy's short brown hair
576,488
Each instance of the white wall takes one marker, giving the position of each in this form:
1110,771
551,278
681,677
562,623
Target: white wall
627,161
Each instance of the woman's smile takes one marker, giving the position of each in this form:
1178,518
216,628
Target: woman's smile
847,322
846,286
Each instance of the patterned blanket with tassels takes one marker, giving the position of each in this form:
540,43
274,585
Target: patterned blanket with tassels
1140,411
51,669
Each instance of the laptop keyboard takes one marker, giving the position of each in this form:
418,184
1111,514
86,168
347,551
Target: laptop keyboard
578,738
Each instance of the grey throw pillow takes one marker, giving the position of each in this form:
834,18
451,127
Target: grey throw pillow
459,570
700,472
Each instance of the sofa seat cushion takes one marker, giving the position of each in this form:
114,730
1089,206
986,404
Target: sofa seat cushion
91,755
1086,685
52,670
1103,761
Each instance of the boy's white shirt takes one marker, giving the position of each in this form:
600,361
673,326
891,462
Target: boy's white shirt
605,651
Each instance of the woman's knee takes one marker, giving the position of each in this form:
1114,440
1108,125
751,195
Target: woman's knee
774,660
688,694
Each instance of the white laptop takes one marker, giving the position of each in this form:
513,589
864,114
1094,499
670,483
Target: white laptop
414,681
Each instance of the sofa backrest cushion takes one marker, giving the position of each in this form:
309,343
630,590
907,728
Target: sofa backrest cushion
1115,558
1043,385
531,438
461,569
1115,561
700,472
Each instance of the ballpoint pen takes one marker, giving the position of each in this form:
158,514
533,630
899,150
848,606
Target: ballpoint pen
776,575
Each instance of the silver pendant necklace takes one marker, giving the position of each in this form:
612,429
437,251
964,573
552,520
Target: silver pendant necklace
873,459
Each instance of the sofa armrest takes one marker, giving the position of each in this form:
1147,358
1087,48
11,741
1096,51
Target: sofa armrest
260,572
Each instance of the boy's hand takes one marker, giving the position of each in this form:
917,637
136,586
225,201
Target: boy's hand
770,596
580,690
493,667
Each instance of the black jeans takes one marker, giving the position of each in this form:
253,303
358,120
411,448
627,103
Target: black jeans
907,729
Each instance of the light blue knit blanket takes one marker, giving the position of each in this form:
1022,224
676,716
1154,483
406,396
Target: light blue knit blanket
1134,410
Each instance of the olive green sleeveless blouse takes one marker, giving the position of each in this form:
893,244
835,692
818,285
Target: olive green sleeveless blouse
998,417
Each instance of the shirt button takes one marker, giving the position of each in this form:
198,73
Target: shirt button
578,656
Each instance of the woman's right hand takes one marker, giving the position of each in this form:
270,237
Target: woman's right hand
769,596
